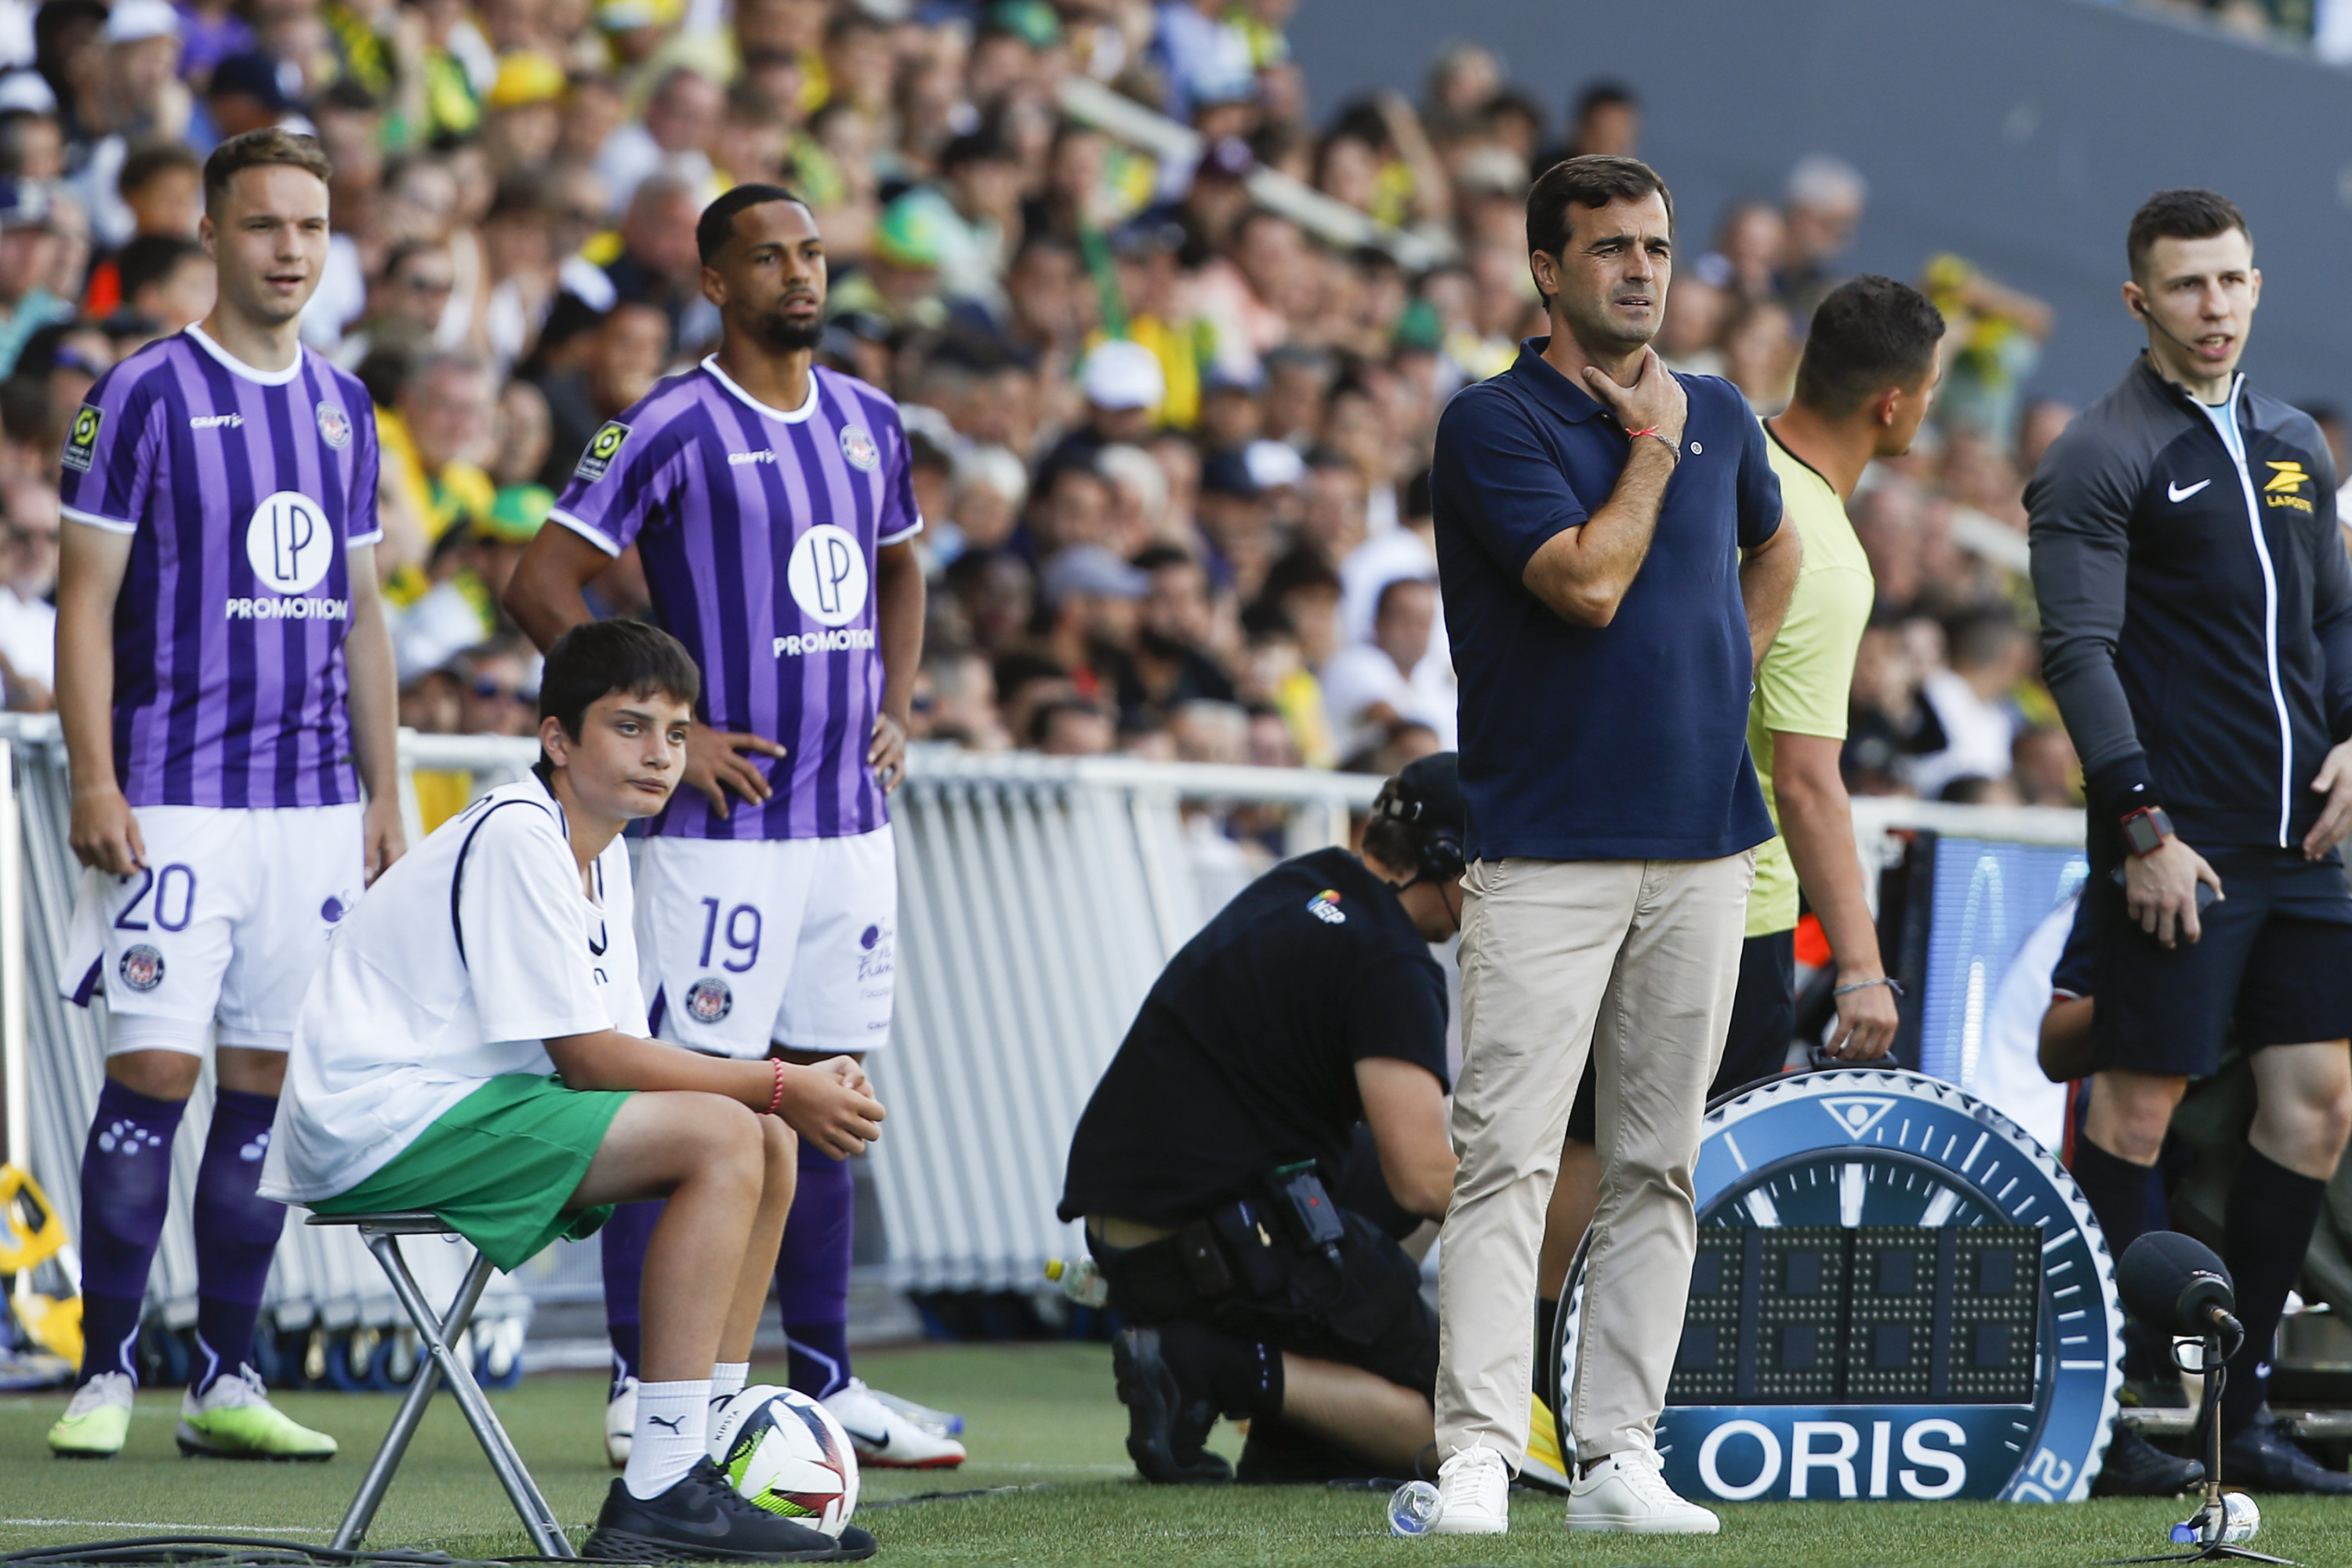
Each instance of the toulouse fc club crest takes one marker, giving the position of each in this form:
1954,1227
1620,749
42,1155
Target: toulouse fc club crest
335,427
858,447
141,967
708,1000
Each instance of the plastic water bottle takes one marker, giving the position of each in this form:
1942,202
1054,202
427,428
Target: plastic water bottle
2236,1521
1080,1280
1413,1509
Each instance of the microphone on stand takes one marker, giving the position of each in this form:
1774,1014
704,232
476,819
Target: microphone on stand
2173,1283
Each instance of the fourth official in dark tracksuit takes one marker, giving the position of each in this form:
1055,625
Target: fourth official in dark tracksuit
2197,628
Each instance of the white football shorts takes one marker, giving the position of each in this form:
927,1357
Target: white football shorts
226,923
785,940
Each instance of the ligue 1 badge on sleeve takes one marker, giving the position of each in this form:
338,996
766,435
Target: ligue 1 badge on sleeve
858,447
334,426
603,448
84,439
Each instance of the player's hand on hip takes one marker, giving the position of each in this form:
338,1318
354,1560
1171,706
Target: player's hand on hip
715,763
105,834
2160,891
1655,400
821,1106
1866,1020
887,756
2335,782
385,838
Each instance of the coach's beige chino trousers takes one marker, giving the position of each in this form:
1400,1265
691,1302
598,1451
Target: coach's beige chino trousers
1634,961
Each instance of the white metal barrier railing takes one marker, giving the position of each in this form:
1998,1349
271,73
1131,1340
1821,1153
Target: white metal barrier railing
1040,898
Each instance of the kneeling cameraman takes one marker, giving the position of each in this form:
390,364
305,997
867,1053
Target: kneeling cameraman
1309,1003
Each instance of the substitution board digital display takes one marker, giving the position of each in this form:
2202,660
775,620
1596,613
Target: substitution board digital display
1896,1294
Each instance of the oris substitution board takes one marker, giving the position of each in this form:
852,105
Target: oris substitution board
1897,1294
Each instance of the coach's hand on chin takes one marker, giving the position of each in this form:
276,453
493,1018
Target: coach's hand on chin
832,1106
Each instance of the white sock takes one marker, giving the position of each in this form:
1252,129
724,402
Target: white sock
672,1431
728,1378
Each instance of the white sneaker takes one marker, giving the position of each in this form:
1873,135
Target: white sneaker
621,1424
1625,1493
883,1437
1474,1494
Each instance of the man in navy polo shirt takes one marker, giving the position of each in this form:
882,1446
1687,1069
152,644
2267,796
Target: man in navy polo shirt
1593,512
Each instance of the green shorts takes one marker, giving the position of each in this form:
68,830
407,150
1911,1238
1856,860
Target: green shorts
499,1167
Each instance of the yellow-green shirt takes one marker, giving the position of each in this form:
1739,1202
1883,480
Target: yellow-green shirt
1802,686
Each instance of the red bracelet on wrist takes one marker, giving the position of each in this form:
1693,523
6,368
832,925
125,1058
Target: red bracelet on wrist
777,1098
1637,435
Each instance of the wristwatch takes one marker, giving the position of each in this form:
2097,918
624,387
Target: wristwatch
2146,830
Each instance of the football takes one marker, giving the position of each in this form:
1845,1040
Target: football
785,1453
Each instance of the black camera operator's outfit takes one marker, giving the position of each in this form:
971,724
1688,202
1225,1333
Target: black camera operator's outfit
1205,1166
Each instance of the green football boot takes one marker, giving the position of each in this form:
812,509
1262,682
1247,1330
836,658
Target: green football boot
235,1420
96,1423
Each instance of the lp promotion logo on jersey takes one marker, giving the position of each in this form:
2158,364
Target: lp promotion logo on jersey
828,579
290,545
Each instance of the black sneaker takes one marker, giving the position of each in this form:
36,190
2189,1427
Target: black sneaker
1166,1424
2263,1458
703,1518
2137,1468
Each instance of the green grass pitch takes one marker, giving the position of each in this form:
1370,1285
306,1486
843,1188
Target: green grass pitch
1044,1425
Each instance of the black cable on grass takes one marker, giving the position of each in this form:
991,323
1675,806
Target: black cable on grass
242,1550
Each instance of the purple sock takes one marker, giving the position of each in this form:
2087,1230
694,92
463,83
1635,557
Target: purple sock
813,1274
624,1240
126,1186
236,1234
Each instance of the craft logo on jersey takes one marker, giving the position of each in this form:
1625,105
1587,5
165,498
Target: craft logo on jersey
334,426
84,440
603,448
859,448
290,543
2285,480
708,1000
1324,907
141,967
828,575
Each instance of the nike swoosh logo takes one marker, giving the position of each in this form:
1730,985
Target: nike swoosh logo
713,1523
2177,494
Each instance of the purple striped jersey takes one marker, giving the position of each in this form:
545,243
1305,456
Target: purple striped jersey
758,528
240,491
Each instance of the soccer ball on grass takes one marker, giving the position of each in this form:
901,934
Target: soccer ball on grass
787,1454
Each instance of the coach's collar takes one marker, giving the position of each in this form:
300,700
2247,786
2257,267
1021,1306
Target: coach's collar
804,411
1543,380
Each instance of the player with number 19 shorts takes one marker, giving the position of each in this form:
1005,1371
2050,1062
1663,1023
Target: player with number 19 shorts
772,503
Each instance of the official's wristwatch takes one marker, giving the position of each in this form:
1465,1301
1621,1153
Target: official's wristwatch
2146,830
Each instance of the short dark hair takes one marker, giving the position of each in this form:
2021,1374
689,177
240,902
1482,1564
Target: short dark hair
151,259
261,149
717,225
150,158
2187,214
1588,180
1605,93
596,658
1870,333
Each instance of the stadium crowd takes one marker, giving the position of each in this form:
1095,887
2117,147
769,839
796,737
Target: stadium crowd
1172,445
